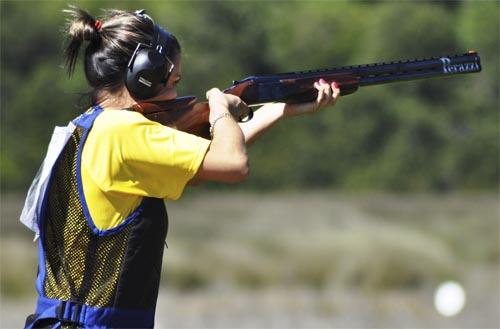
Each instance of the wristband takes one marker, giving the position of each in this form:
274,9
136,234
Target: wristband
212,126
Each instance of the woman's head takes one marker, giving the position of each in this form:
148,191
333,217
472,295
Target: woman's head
112,41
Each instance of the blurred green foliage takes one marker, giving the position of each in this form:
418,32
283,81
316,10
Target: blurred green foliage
435,135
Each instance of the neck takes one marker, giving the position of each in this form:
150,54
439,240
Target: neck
121,99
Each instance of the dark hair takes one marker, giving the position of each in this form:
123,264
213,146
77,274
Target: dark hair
109,48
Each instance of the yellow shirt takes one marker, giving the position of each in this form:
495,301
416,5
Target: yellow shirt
127,157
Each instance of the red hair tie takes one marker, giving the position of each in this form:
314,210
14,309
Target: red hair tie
97,24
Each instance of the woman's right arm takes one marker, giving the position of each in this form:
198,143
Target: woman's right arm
226,159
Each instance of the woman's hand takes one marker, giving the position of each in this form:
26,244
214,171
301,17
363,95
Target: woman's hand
221,103
226,159
327,96
269,114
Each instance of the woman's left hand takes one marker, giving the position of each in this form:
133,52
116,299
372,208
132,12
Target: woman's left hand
327,96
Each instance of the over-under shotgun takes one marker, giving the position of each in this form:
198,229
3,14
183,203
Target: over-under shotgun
186,114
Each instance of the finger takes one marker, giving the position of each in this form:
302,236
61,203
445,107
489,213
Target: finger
232,99
321,96
336,91
213,92
326,96
208,94
327,89
320,84
335,88
328,92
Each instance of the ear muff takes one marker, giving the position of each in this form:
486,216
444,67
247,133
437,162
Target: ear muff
149,67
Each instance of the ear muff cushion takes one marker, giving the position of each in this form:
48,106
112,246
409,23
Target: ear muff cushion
146,73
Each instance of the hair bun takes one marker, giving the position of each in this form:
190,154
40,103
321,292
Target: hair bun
81,25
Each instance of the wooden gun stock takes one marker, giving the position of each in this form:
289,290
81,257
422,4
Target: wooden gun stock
182,113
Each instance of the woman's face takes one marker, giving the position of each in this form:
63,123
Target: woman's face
169,91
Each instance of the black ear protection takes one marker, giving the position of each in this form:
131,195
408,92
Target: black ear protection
149,67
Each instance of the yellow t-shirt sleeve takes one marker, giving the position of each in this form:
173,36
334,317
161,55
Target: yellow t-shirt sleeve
127,153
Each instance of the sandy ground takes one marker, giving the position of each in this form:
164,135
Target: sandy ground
223,307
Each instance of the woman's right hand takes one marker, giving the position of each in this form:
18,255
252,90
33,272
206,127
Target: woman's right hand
221,103
226,159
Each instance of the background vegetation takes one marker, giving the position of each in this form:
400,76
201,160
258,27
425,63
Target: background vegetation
436,135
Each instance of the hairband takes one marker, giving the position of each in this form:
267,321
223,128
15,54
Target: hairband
97,24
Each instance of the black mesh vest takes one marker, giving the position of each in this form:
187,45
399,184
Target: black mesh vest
117,270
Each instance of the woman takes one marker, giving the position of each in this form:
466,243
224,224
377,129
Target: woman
102,221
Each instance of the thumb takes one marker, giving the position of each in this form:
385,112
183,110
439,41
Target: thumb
213,92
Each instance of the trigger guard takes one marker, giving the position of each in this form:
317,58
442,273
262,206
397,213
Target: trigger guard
248,117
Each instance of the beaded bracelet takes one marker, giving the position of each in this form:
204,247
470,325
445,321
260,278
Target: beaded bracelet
212,126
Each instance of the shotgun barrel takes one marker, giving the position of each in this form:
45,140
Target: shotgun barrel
297,86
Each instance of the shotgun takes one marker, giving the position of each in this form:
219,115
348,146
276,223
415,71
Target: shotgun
186,114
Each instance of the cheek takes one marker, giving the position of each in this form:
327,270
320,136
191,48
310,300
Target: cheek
168,93
172,93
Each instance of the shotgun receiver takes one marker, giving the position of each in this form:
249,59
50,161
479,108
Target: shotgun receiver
186,114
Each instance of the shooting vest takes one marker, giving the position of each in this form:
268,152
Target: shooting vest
89,277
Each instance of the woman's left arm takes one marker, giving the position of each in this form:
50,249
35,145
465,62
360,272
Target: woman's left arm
269,114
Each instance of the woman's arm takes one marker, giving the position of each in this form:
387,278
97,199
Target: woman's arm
226,159
269,114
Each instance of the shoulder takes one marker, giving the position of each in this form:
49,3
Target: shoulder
122,121
114,118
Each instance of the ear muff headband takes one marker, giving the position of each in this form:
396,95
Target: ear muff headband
149,67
